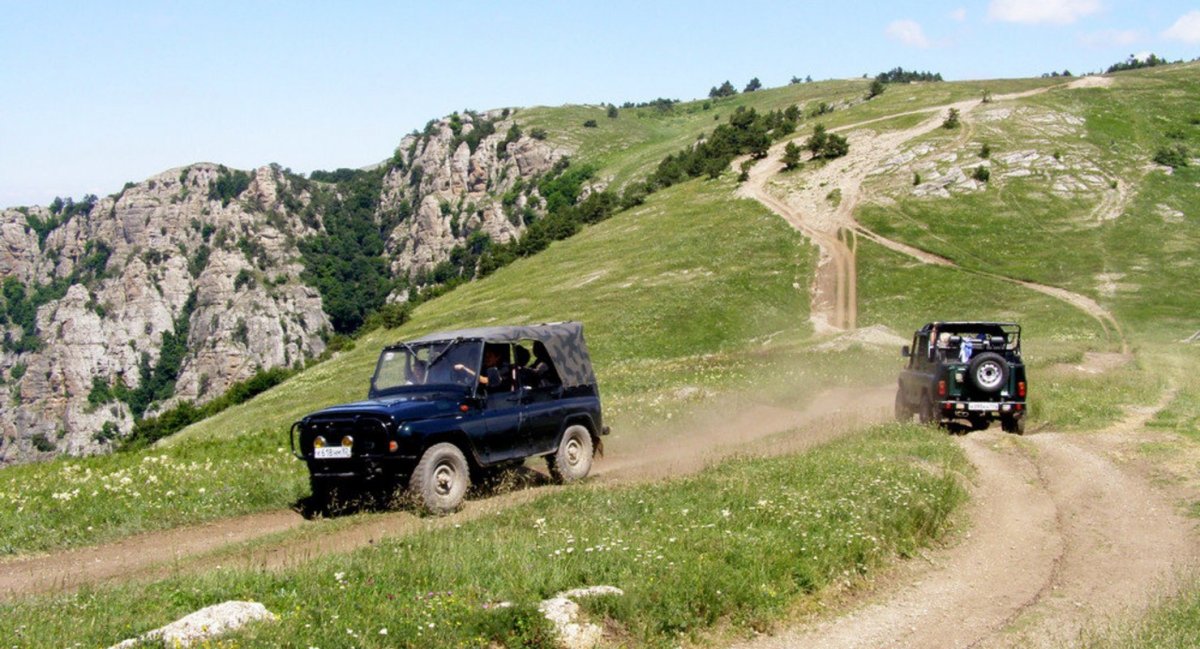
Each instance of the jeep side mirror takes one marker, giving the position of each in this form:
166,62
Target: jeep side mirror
905,352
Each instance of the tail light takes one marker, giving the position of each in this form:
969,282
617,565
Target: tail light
1020,388
941,388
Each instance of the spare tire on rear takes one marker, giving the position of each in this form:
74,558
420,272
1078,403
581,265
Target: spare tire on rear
988,372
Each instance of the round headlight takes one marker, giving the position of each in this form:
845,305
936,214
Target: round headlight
347,441
319,442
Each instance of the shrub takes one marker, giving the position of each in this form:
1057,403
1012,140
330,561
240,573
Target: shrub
42,443
244,278
228,185
613,112
981,173
952,120
724,90
754,84
537,133
900,75
745,171
591,123
985,151
791,156
1172,156
391,315
916,178
876,89
107,433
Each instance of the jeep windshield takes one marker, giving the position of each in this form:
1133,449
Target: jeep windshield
410,366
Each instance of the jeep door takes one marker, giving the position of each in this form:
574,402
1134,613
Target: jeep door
544,414
503,414
916,377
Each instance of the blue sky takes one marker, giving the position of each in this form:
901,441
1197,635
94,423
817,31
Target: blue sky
96,94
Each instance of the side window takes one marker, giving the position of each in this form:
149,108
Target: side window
497,367
542,373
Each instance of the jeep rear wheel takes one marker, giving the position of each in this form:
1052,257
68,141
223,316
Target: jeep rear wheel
440,480
988,372
1014,425
573,459
903,412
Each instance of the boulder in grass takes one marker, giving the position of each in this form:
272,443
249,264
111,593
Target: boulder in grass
203,624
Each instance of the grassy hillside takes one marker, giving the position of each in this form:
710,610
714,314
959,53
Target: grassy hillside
693,288
1126,237
631,145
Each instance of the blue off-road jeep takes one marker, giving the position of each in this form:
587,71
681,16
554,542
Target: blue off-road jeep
447,406
969,371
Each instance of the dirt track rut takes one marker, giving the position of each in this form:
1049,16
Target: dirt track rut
757,429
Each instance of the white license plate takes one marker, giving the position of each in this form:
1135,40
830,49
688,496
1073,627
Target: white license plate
983,406
331,452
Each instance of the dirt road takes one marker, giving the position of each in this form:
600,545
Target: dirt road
277,539
822,208
1063,535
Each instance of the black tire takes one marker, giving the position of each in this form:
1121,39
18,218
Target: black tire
440,480
322,499
988,372
980,423
573,459
1015,425
928,414
903,412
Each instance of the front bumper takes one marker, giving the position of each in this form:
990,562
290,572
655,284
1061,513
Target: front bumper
360,468
956,409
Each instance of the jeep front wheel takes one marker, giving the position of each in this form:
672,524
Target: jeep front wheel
903,412
573,459
440,480
928,413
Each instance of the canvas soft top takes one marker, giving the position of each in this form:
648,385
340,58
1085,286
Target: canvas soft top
563,340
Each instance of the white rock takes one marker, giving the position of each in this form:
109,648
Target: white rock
203,624
563,613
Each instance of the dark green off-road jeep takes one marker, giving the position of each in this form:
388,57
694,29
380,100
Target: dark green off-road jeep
964,371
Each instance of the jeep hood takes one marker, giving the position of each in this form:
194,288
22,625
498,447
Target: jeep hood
401,406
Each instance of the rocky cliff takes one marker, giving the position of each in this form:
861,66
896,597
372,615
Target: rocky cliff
178,286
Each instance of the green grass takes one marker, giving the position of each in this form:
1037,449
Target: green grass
1172,623
735,547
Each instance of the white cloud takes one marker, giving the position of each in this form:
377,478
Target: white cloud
1186,29
908,32
959,15
1058,12
1110,37
1143,56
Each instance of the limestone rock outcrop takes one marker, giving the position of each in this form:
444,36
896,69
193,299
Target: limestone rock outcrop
212,257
